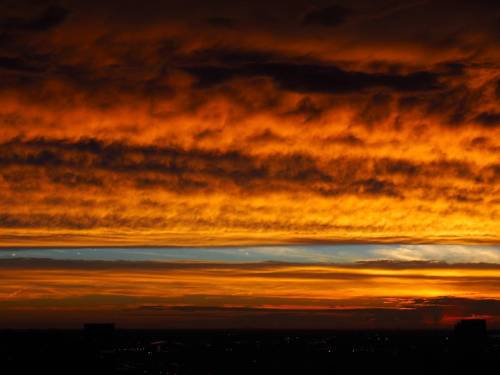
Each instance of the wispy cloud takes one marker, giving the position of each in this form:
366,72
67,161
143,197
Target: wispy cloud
451,253
135,293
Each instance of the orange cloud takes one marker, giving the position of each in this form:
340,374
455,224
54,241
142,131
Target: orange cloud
142,293
234,128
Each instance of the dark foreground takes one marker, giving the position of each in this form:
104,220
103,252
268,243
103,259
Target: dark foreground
246,352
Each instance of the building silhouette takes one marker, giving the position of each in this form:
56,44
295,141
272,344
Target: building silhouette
99,334
470,335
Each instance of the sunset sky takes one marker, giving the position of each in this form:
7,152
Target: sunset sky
249,163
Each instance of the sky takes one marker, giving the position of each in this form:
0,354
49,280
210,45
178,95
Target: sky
217,159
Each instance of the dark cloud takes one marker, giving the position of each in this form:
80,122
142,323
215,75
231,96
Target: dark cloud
479,142
317,78
19,65
186,165
74,178
422,264
347,139
49,18
191,170
217,317
488,119
223,22
377,187
225,56
22,262
395,166
331,16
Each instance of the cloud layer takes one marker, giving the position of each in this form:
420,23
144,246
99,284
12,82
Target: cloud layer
235,124
377,294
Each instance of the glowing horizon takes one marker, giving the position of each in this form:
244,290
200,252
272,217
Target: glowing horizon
255,287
